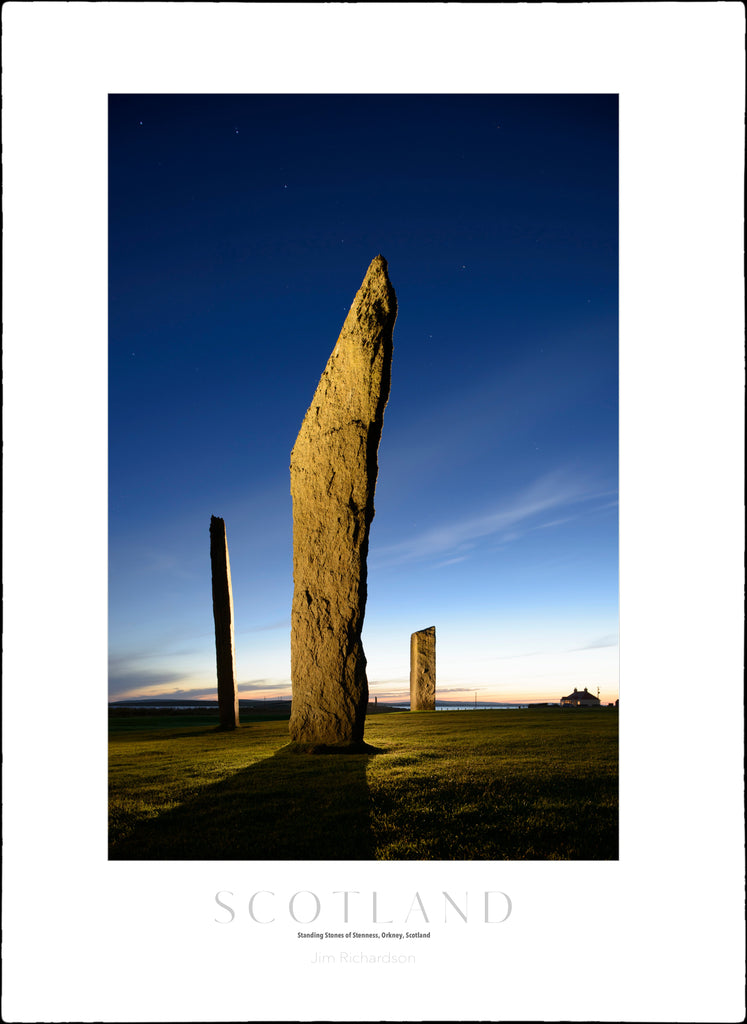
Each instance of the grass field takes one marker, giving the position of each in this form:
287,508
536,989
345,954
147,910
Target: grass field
533,784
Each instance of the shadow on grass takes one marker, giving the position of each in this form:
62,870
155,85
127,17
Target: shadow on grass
291,806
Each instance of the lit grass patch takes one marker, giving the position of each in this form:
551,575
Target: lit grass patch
498,785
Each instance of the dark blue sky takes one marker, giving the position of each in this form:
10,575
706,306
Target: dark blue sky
240,228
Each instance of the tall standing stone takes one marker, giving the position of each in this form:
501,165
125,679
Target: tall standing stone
333,473
228,693
423,670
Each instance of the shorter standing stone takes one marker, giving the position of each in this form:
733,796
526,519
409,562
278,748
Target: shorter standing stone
423,670
228,692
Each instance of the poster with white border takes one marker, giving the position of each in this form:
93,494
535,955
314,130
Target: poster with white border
660,932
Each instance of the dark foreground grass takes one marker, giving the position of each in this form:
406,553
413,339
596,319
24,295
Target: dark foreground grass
447,785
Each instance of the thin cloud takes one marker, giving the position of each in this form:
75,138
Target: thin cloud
508,521
264,684
144,679
460,689
555,522
451,561
189,693
120,662
609,640
156,684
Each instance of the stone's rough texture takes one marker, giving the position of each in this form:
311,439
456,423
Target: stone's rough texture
423,670
228,694
333,475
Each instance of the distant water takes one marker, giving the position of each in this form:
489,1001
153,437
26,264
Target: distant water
154,706
467,707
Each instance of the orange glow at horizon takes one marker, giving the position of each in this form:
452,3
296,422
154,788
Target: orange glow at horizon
391,695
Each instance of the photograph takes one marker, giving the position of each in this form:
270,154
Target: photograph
363,477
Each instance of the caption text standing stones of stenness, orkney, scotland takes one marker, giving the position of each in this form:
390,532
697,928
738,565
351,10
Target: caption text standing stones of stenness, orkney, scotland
333,476
228,694
423,670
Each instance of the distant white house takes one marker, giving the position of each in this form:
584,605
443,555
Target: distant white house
580,699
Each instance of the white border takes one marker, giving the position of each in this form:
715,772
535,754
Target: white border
659,934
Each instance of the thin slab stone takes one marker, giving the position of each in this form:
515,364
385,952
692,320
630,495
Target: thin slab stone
333,470
228,692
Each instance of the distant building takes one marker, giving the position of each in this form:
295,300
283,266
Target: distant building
580,699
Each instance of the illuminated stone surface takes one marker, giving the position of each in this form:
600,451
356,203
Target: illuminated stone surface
333,469
423,670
